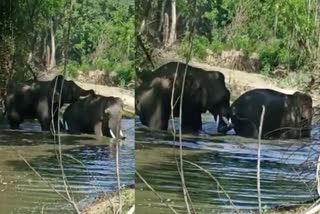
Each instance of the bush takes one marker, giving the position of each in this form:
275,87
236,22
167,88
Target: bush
200,46
125,73
269,55
217,46
241,43
72,69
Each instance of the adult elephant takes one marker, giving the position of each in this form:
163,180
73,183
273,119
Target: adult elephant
95,114
286,116
203,90
40,100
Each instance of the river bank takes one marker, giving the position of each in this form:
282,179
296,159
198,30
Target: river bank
109,202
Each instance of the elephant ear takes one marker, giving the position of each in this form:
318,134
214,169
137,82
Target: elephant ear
303,99
303,103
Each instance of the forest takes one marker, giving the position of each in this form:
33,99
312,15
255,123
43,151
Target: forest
71,36
276,38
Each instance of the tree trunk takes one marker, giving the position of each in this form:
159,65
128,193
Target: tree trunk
165,32
172,35
142,26
163,6
48,57
6,60
53,47
43,54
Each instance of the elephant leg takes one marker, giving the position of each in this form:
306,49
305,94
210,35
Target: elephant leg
159,118
44,120
191,120
55,118
44,114
246,128
164,124
72,128
14,119
98,129
45,124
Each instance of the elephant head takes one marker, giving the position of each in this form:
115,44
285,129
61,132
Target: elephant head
112,116
68,90
211,94
302,104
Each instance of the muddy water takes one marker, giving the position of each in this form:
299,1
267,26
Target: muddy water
287,171
89,165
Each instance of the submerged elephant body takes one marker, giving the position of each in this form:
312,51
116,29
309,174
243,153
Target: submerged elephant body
286,116
40,100
95,114
203,90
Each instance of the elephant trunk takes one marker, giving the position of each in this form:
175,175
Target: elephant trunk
224,124
114,127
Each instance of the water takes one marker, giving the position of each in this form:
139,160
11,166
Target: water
287,171
89,165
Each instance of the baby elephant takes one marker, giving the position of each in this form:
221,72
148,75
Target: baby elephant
286,116
95,114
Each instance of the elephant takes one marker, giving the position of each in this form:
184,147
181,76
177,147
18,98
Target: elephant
160,92
95,114
40,100
286,116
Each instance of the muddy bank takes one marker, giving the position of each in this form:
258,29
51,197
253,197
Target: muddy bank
109,203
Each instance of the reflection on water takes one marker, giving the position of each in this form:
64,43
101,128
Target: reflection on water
89,165
287,171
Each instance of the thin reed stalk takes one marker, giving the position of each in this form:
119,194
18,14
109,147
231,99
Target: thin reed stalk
157,194
259,157
218,183
118,176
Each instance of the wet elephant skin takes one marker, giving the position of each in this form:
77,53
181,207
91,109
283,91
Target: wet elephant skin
203,91
95,114
40,100
286,116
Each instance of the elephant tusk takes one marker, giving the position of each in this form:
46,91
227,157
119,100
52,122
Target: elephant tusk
66,126
217,121
121,134
112,134
226,121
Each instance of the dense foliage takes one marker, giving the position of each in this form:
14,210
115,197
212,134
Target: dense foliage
281,32
40,34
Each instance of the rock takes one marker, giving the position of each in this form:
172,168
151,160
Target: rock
112,77
255,62
239,59
280,71
94,77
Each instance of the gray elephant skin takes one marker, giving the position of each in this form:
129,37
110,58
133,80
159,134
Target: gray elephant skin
203,90
286,116
40,100
95,114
